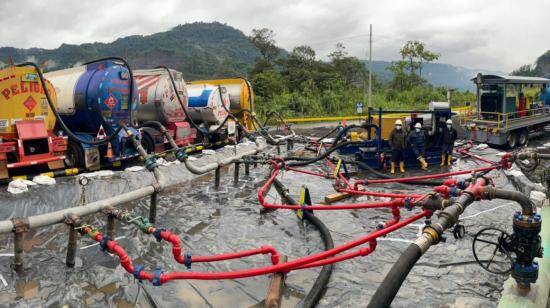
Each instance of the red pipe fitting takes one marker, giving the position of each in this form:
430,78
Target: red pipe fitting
476,188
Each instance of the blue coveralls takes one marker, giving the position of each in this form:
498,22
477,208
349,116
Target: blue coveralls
417,140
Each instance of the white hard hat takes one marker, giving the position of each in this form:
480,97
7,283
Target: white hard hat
449,121
398,122
418,125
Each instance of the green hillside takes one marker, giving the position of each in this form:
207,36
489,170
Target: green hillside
200,50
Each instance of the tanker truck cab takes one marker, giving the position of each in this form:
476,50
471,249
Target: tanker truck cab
93,103
209,105
509,110
27,137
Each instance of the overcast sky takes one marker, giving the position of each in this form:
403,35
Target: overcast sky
497,35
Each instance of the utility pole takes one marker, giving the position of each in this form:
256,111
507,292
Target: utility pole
370,68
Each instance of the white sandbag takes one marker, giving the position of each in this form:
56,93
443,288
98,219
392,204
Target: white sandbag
134,168
43,180
17,187
208,152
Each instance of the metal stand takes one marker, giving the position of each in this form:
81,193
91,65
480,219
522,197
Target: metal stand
217,177
153,208
236,174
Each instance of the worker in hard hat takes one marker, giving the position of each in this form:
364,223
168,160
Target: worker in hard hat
398,143
417,141
448,139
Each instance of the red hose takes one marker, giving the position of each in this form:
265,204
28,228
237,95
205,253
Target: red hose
176,251
126,263
292,265
466,152
349,206
379,194
424,177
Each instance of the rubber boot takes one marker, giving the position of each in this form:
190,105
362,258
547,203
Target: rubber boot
423,163
449,160
402,167
443,160
392,168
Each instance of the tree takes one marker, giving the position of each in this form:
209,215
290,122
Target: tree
525,70
416,54
264,40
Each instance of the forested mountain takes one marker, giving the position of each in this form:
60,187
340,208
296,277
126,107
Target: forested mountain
200,50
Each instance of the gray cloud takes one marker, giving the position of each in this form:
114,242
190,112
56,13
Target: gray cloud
494,34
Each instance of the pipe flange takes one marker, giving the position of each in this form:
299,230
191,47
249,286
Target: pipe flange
20,224
72,220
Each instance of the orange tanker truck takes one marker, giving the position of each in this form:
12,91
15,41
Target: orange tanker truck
27,135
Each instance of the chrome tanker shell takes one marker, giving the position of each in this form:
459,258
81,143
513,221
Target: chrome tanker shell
94,95
205,104
157,98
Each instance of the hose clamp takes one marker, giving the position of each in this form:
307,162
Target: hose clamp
156,234
156,277
187,260
103,242
407,203
137,271
366,182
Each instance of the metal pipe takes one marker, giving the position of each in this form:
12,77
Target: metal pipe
51,218
527,206
111,226
226,161
72,246
236,174
247,169
18,252
217,177
153,208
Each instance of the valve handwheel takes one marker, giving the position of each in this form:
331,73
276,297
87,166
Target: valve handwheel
491,248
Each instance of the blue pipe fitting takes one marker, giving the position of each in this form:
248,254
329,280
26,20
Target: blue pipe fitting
187,260
150,162
527,246
137,271
156,277
453,191
407,203
103,242
156,234
181,155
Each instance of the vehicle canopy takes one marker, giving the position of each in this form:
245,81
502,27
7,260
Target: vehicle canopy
501,96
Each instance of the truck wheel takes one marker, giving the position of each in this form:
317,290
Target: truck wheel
511,141
523,137
147,143
75,155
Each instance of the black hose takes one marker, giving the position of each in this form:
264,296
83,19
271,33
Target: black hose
320,284
524,201
58,117
391,284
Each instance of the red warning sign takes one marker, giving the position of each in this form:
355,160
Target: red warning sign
30,103
101,133
110,102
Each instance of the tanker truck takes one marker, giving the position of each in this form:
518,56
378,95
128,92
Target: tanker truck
27,136
241,97
93,102
159,102
208,105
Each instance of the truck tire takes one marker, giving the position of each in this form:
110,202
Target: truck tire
75,155
511,140
523,136
147,143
